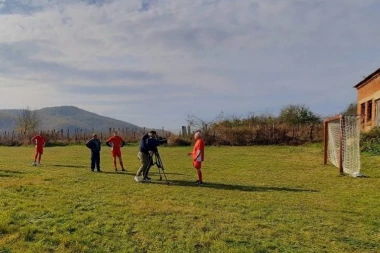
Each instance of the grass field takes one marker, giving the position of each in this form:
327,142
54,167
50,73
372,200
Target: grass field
256,199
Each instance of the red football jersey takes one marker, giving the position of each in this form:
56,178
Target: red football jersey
116,142
199,145
39,140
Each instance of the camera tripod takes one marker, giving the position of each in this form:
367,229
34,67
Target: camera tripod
155,159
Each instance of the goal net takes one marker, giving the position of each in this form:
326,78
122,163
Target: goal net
342,143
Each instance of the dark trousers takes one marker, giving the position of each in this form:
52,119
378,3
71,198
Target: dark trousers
95,160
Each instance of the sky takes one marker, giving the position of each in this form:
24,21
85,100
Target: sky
155,63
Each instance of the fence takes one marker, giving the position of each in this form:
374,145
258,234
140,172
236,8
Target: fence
259,134
77,136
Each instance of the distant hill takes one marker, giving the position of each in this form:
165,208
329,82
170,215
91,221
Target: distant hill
66,118
8,119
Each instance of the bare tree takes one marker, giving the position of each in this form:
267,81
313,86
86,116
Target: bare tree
200,124
27,120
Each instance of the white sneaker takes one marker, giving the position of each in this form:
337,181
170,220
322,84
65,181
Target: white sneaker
137,179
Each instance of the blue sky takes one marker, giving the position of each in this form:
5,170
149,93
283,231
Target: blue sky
154,62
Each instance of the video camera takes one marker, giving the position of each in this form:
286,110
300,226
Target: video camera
157,141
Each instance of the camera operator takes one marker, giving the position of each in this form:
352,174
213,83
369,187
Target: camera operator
146,150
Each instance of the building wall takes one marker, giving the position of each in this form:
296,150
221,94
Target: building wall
368,94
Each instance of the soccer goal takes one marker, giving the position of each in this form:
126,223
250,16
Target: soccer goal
342,143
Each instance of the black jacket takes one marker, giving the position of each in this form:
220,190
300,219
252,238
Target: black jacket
146,145
94,145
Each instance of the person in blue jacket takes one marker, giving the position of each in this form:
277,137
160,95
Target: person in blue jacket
94,145
146,150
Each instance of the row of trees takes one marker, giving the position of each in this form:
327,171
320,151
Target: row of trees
295,124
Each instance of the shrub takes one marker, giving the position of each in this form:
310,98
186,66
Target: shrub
175,141
370,141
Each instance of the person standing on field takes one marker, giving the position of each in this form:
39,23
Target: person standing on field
94,145
198,155
116,142
39,141
145,155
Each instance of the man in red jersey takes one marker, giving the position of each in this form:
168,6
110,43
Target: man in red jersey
198,155
39,141
116,142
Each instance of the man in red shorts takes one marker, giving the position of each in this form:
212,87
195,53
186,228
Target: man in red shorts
116,142
39,141
198,155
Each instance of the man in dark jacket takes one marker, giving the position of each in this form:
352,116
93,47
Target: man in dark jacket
145,152
95,146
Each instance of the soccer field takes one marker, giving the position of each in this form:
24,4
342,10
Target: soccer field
255,199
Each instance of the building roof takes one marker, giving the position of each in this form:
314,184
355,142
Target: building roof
365,80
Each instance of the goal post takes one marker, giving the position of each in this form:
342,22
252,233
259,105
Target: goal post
342,143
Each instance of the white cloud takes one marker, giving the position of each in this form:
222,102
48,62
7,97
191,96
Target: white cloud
241,56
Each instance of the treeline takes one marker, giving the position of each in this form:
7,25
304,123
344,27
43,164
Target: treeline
295,125
234,132
260,133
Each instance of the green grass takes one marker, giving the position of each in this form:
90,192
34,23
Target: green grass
256,199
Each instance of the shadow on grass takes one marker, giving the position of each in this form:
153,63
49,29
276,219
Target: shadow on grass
70,166
126,173
12,171
155,173
133,173
9,173
233,187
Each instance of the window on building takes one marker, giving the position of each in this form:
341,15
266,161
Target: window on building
369,110
362,111
377,112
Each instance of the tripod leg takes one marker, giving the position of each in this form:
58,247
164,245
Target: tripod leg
156,162
160,165
159,173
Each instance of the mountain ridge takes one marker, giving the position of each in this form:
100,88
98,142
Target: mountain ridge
66,118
